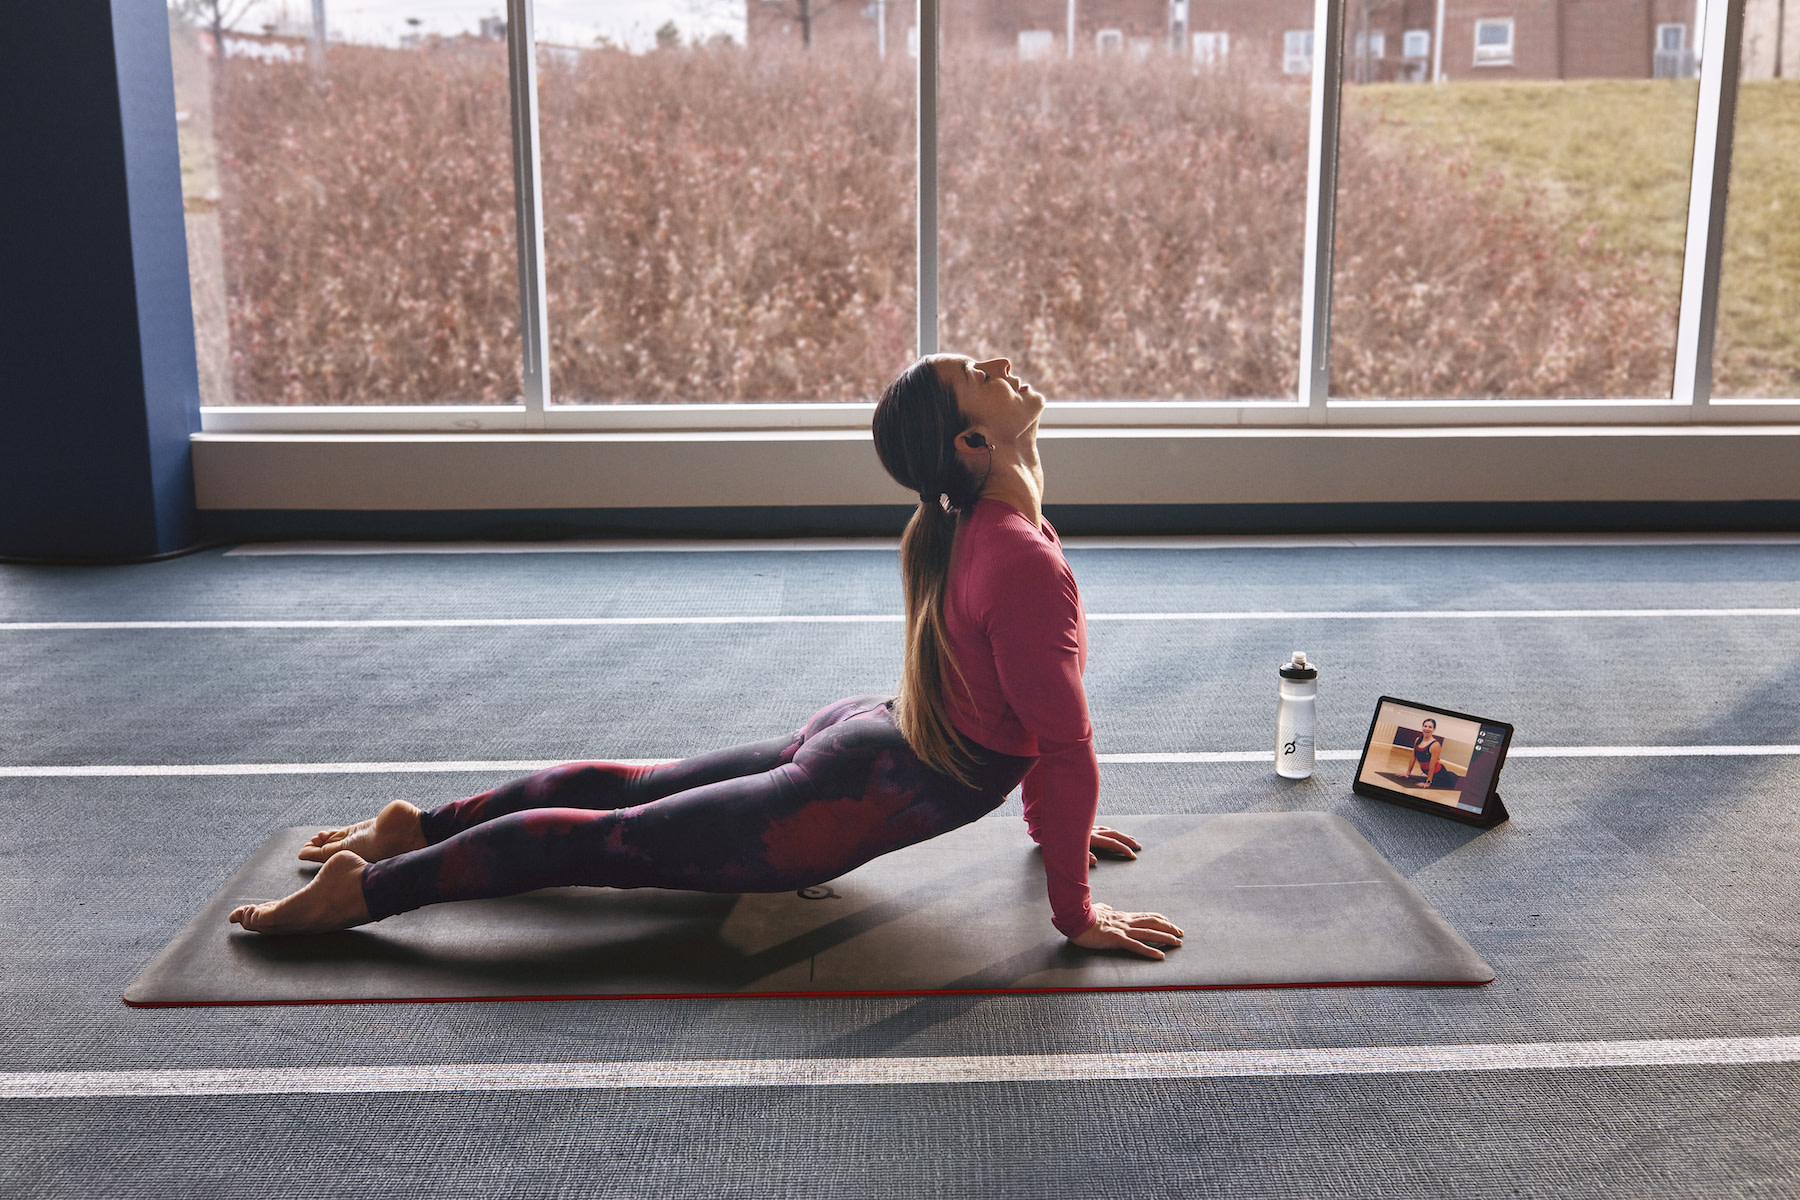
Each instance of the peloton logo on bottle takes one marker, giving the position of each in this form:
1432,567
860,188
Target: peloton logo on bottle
1289,748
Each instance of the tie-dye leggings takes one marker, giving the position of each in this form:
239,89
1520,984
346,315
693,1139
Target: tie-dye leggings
767,817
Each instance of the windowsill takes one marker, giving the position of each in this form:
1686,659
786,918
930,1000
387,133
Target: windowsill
391,470
1126,414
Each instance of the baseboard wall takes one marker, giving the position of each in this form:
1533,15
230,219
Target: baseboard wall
1071,519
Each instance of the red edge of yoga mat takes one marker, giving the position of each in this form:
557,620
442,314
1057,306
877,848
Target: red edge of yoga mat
1034,991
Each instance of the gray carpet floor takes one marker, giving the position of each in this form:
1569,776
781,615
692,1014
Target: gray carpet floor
1627,899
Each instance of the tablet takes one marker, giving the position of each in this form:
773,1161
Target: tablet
1435,760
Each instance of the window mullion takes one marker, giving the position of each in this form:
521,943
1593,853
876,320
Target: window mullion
1321,205
1719,64
528,208
928,176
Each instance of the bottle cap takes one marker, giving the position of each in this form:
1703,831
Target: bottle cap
1298,668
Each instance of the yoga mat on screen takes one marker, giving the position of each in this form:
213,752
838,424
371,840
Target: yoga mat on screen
1266,900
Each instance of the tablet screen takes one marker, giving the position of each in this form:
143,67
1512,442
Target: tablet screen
1431,755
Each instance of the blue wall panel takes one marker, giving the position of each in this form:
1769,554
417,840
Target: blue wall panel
98,387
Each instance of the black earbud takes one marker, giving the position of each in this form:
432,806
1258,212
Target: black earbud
974,441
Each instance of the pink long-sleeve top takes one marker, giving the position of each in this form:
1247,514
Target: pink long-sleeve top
1019,635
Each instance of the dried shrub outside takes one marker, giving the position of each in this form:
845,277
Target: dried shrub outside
368,229
728,227
721,226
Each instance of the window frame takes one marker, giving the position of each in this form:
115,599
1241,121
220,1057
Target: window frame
1210,47
1042,44
1299,62
1691,399
1494,57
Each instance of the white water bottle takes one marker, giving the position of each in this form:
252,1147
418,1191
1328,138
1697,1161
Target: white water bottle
1296,717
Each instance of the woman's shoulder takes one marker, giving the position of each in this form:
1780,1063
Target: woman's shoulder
1008,563
1002,529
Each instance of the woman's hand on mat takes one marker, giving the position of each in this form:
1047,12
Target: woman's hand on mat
1139,933
1110,842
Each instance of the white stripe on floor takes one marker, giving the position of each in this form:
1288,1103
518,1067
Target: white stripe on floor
1450,614
1646,751
572,546
877,1072
518,766
513,766
460,622
1235,756
890,545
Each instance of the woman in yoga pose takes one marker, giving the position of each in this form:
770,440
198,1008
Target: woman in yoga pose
990,697
1427,756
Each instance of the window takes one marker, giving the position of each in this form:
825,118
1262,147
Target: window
729,204
724,223
1122,235
1674,59
1363,54
1494,42
351,244
1211,49
1297,52
1757,354
1521,242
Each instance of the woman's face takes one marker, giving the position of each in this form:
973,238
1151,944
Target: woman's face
993,399
1430,727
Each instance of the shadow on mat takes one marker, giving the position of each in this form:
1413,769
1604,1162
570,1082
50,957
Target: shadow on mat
685,950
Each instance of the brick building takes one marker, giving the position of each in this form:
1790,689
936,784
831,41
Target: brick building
1569,39
1385,40
1269,35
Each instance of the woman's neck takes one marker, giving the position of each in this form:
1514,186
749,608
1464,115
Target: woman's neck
1017,477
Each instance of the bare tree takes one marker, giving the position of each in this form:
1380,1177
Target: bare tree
1780,33
218,17
803,13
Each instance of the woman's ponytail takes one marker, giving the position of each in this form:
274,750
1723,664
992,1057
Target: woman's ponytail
915,425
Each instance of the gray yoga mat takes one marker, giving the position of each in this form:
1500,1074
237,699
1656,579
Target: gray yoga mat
1266,900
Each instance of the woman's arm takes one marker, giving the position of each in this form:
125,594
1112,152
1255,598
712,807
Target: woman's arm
1031,613
1061,796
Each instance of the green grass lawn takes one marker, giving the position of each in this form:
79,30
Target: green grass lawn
1759,289
1617,154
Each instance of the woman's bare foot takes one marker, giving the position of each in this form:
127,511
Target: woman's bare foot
395,830
333,900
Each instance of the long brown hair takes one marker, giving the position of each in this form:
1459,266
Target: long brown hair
915,425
